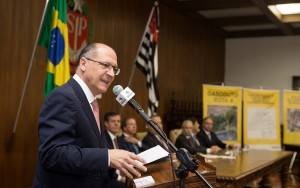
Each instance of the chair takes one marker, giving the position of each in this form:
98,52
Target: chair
174,133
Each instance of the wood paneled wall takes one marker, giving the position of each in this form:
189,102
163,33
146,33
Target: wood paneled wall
189,55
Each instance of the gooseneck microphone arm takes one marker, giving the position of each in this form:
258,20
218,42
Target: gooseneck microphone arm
188,163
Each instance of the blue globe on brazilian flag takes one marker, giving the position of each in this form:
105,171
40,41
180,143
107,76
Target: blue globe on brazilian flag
54,37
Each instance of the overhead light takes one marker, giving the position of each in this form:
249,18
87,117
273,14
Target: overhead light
288,9
287,13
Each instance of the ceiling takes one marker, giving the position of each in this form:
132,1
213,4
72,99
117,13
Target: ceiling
237,18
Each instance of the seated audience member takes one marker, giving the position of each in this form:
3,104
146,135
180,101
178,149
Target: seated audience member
129,141
208,138
152,138
195,130
186,141
112,121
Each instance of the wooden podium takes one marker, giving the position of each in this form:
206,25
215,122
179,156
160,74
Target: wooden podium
248,166
162,175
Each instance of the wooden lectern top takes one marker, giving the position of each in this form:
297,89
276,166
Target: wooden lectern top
163,176
248,166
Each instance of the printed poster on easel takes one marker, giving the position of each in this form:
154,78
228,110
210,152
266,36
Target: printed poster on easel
291,117
261,119
223,105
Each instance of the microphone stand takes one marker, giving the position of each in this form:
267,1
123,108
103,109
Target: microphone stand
188,163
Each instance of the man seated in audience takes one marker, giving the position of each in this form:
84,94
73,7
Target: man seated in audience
195,130
208,138
112,121
129,141
186,141
152,138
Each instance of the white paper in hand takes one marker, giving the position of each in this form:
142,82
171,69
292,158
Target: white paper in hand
153,154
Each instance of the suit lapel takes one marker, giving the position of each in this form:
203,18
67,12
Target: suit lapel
155,140
207,141
88,111
103,136
110,145
119,140
213,140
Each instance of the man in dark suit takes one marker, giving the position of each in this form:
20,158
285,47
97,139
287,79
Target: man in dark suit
72,146
195,130
129,141
152,139
112,121
185,139
208,138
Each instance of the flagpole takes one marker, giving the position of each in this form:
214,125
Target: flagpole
9,142
140,46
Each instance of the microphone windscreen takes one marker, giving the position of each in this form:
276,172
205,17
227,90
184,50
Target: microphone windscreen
117,89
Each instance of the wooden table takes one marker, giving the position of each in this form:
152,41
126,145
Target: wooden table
162,174
248,166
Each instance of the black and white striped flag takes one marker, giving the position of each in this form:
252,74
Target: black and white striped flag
146,59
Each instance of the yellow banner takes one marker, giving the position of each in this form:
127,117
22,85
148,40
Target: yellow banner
261,119
223,105
291,117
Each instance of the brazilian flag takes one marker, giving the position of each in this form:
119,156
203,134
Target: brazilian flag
54,36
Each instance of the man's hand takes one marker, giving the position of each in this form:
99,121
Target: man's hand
214,149
131,139
123,179
232,146
126,162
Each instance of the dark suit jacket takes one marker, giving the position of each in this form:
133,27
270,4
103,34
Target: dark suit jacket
132,147
72,153
114,183
109,141
182,142
204,140
150,141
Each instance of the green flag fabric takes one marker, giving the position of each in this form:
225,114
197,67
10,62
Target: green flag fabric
54,37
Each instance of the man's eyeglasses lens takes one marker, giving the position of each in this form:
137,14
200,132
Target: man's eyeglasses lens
106,66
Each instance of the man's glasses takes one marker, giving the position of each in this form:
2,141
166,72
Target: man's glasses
106,66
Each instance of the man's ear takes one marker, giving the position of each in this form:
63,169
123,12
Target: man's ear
82,64
105,123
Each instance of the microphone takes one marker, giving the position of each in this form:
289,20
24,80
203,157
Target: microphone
126,96
123,96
